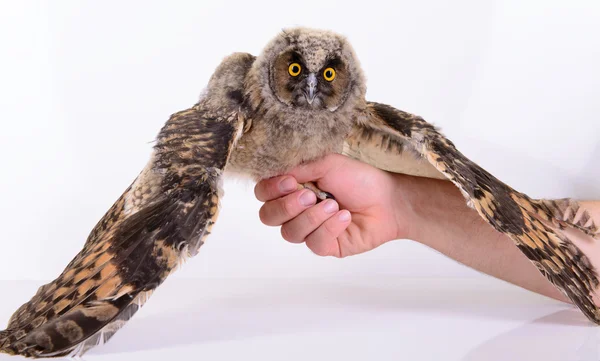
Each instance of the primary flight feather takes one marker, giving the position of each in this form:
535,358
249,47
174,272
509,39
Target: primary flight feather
301,99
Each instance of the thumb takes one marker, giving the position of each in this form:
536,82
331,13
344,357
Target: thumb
317,170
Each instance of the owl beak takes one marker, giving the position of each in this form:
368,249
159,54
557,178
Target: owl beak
311,88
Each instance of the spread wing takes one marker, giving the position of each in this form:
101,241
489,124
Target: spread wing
384,132
162,218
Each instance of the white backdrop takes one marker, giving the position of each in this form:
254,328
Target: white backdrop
85,87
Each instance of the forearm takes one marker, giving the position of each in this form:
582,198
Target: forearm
443,221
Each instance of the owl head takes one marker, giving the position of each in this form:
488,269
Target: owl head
310,70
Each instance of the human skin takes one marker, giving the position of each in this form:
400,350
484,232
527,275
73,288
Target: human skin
373,207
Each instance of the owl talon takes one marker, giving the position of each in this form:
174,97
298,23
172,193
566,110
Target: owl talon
329,196
321,195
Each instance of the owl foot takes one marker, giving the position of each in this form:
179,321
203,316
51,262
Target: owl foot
321,195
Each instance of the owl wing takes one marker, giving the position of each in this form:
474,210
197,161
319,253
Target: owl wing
384,132
162,218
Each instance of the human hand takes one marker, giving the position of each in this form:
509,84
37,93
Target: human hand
369,208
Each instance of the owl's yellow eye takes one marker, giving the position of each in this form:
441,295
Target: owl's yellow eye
294,69
329,74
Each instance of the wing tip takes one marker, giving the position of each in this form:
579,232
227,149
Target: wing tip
566,213
5,346
3,338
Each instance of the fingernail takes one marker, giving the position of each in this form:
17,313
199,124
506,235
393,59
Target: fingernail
344,216
308,198
287,185
330,206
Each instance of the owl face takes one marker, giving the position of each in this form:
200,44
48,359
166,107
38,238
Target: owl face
312,70
322,83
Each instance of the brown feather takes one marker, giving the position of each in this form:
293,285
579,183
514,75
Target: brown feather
507,210
162,218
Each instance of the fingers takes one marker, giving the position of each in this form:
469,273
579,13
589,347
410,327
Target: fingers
280,210
297,229
295,210
319,226
269,189
316,170
324,240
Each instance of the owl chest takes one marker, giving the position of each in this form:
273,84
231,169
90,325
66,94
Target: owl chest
269,150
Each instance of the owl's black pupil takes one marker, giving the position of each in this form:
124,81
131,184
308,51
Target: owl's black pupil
328,74
295,69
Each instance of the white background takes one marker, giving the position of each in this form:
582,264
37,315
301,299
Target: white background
85,87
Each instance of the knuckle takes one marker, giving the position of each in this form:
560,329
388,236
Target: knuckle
317,248
266,189
312,218
265,216
322,252
287,207
259,191
257,187
285,233
330,230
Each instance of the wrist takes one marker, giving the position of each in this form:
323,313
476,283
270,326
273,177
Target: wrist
410,207
428,207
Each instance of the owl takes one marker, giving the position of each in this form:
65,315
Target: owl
302,98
